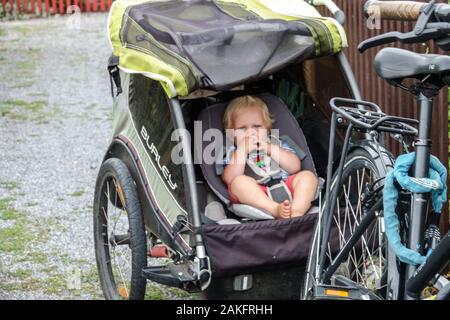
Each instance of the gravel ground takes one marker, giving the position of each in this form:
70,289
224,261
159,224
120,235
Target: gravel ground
55,124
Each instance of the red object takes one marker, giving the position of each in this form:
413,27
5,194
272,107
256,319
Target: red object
61,6
32,7
159,252
47,6
25,7
94,8
67,4
109,4
19,10
11,6
40,6
102,5
3,6
54,6
87,6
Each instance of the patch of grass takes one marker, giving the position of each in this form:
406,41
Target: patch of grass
25,84
157,292
38,257
4,203
78,193
23,30
38,94
32,204
7,212
181,294
154,292
21,273
50,285
9,185
48,225
90,282
20,109
32,106
8,286
50,269
14,238
25,65
55,284
44,117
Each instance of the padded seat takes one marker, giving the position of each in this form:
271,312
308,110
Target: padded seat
212,117
397,64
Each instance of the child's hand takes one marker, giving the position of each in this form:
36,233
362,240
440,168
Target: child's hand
264,144
265,147
248,144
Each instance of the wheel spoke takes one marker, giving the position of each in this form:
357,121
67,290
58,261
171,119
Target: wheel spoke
364,263
121,276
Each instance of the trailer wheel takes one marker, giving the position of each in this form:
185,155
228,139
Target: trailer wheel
119,233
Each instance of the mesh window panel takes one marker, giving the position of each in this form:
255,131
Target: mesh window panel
149,110
226,45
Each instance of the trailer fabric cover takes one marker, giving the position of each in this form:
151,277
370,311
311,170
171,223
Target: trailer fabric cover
188,45
256,246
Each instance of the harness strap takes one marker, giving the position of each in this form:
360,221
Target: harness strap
114,75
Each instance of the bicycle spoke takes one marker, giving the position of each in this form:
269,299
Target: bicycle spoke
364,261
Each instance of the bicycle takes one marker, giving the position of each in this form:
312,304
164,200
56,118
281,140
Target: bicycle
351,257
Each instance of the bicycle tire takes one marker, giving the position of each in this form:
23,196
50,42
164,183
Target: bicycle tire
357,160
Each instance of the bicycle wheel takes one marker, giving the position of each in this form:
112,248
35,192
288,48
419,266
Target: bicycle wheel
119,233
357,192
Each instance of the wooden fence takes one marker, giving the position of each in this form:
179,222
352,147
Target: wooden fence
49,7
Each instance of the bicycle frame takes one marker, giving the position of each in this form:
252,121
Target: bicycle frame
409,283
403,281
419,203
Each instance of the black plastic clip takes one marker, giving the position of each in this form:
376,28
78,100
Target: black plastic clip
114,75
183,225
425,17
423,142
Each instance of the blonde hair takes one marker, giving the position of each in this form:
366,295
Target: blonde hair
243,102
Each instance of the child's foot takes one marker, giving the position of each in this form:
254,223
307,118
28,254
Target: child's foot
284,210
298,212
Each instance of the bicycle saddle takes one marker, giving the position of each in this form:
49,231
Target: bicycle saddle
394,65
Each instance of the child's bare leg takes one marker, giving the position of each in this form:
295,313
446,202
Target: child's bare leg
247,190
305,187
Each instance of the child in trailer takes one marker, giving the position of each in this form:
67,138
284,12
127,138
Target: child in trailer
250,121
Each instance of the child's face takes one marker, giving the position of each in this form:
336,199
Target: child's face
247,122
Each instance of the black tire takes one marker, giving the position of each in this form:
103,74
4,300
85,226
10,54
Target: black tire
126,281
369,252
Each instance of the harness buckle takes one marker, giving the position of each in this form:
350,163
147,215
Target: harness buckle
272,182
278,191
